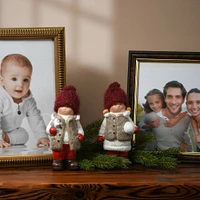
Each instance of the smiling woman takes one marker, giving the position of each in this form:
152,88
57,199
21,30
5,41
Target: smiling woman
45,48
193,107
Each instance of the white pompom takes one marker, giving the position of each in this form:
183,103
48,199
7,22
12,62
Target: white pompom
129,127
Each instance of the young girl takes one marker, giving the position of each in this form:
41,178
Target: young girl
154,103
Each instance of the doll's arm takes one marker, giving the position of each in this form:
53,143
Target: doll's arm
102,131
56,123
172,122
56,131
80,131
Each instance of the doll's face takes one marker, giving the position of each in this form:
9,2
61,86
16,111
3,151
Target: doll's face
65,111
118,107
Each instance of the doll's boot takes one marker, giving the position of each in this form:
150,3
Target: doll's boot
57,165
72,165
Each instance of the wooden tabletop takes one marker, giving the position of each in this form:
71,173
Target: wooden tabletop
138,182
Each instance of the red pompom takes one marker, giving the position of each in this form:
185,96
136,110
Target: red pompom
53,130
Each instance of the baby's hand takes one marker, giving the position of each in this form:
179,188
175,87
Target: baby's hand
4,144
44,142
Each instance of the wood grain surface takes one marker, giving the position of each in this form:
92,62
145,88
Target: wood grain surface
138,182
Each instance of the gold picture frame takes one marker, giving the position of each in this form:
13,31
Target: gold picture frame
151,69
46,46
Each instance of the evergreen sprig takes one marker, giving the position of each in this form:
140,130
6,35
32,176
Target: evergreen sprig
87,165
150,159
171,152
166,162
142,139
144,157
91,154
103,161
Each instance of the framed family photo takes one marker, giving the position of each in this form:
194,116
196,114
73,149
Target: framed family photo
45,48
149,70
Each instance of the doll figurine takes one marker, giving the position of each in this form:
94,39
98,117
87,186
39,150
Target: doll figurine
65,130
117,129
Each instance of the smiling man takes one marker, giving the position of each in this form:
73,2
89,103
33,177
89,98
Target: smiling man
174,136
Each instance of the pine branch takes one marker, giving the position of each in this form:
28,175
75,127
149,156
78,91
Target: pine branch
171,152
103,161
89,146
87,165
144,157
110,162
142,139
166,163
91,131
91,155
149,159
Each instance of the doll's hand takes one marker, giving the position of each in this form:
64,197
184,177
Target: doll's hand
4,144
52,130
43,142
136,129
100,139
80,137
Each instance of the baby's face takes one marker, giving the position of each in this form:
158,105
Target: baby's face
16,80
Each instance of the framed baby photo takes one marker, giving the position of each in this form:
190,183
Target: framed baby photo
150,71
45,49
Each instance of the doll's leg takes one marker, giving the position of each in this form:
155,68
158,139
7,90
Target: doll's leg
112,153
70,157
118,153
123,154
18,136
58,157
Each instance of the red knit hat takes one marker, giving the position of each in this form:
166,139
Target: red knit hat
114,94
68,97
